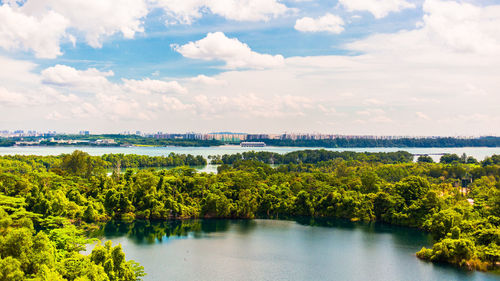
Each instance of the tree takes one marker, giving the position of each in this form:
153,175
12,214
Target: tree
425,159
81,164
370,181
303,205
114,263
412,188
449,158
10,269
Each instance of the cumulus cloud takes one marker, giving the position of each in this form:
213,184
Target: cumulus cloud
203,79
66,76
328,23
97,19
187,11
447,26
422,115
381,119
41,25
55,116
399,73
373,101
462,27
251,105
9,98
148,86
379,8
99,97
17,73
217,47
42,96
174,104
41,34
390,86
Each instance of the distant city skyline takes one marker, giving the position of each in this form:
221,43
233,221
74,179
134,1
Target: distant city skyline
203,135
347,67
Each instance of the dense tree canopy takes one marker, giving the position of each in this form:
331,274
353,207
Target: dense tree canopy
397,142
313,156
47,201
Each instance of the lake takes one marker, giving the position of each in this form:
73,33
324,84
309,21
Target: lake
279,250
477,152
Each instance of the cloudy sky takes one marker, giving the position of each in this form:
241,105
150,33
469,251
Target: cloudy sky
385,67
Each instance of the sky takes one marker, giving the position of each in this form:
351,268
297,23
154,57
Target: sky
363,67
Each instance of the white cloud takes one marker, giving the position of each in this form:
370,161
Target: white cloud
9,98
174,104
381,119
17,73
85,110
51,95
328,23
203,79
251,105
55,116
379,8
98,97
42,25
216,46
69,77
447,26
96,19
373,101
424,100
371,112
462,27
422,115
41,34
93,80
148,86
393,83
187,11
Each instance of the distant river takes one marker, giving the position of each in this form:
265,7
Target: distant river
477,152
279,250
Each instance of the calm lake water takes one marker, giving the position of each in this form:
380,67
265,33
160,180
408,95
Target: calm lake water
477,152
279,250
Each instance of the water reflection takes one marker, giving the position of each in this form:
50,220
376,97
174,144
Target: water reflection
332,249
150,232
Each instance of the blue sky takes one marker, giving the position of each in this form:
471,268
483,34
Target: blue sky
150,51
396,67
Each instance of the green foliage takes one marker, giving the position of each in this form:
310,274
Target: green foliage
46,202
312,157
449,158
425,159
112,259
81,164
412,188
52,254
456,251
401,142
6,142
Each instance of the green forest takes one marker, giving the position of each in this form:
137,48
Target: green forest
49,203
125,140
396,142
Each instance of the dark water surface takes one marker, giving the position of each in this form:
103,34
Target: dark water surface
279,250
